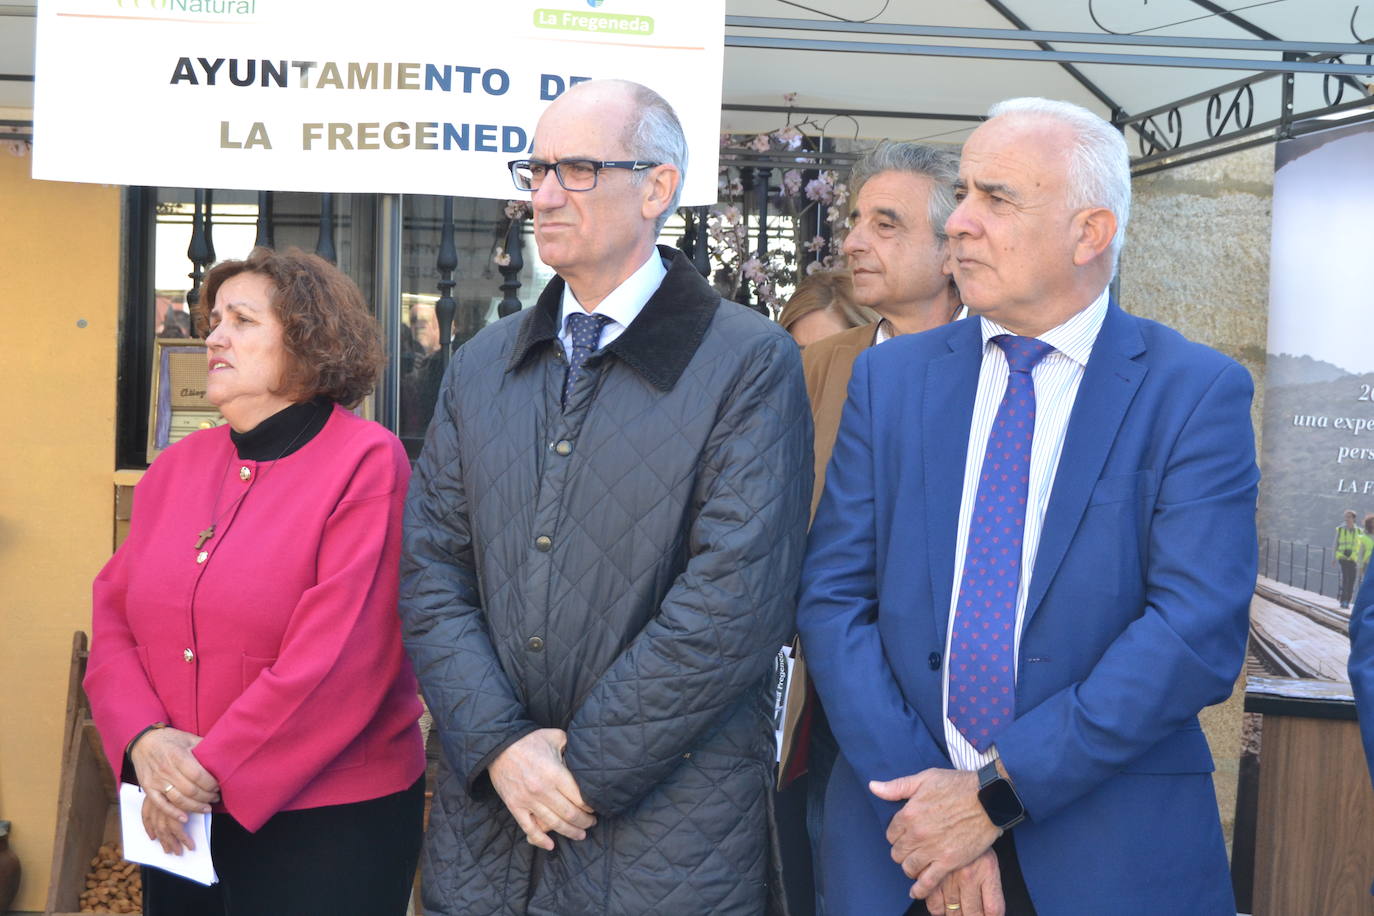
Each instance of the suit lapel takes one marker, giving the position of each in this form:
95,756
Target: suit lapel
946,414
1110,381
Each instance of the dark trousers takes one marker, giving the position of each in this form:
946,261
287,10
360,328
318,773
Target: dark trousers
338,860
824,751
1347,581
800,809
1013,883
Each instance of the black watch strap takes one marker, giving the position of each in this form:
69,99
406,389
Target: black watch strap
999,798
128,748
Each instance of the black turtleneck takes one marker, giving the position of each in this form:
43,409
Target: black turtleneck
284,432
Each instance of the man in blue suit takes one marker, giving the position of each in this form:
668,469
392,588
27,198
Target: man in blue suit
1028,742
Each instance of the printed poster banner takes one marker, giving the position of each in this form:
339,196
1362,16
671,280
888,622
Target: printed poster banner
1316,518
411,97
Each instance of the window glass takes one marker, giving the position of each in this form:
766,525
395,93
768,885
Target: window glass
480,228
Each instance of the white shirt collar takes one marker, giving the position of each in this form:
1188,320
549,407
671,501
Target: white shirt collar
886,332
1074,338
624,303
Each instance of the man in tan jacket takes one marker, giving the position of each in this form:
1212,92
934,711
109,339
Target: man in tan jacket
897,252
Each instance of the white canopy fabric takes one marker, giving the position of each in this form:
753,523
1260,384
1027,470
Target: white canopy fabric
938,82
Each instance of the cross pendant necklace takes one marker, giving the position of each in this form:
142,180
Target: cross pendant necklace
209,531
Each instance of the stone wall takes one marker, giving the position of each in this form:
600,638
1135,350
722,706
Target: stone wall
1197,259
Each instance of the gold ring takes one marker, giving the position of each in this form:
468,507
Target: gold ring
169,788
951,906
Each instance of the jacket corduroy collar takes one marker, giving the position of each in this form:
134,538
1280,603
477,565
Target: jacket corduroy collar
658,344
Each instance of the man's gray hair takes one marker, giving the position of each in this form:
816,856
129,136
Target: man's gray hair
940,165
1099,165
655,135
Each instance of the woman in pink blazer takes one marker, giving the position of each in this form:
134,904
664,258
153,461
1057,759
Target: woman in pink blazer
246,657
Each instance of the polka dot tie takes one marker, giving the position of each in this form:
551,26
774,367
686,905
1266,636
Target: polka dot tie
585,331
981,678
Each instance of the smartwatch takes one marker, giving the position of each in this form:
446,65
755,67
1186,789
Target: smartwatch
999,799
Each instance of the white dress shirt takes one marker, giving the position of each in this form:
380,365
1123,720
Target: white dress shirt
885,332
622,305
1056,379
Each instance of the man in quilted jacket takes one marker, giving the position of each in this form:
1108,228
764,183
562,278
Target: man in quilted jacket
603,539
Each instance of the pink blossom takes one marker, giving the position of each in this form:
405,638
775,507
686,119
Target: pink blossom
516,209
813,267
501,258
791,182
820,189
789,97
816,244
790,137
761,143
840,188
768,293
752,270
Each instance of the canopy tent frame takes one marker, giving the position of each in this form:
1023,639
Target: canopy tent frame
1226,112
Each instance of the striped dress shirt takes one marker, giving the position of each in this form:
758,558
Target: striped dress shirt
1056,380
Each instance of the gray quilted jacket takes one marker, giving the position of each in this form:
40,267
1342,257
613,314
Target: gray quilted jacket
623,569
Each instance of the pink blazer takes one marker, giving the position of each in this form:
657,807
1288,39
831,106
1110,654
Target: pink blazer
282,648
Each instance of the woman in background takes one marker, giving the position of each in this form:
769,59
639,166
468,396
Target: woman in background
823,305
246,656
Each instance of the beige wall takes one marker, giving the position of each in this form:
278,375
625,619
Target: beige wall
1197,259
59,266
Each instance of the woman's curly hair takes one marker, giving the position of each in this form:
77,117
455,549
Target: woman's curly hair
333,345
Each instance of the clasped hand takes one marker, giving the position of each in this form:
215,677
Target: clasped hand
941,829
174,784
539,790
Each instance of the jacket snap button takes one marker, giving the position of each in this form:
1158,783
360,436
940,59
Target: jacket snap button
535,644
564,447
543,543
934,661
188,655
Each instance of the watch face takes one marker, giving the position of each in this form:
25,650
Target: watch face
1000,801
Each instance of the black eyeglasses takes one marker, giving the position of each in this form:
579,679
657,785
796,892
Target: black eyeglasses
573,174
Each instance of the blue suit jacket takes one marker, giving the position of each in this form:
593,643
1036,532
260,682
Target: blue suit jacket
1361,665
1136,617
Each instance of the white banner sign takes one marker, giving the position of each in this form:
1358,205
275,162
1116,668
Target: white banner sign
411,97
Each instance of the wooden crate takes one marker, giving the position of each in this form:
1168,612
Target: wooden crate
87,803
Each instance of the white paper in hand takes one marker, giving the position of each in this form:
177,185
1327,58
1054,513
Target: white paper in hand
192,863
